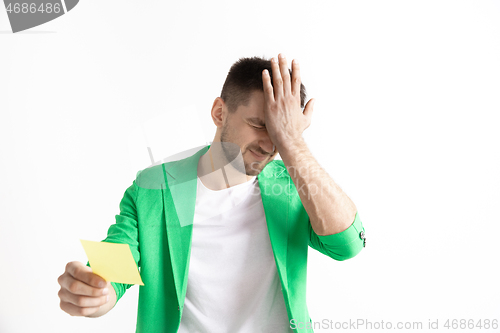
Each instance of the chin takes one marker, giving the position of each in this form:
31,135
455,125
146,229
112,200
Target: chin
254,168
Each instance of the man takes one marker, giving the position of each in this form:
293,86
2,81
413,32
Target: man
221,237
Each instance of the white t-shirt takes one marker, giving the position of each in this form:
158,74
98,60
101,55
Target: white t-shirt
233,284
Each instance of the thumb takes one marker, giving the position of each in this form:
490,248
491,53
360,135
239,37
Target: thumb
308,110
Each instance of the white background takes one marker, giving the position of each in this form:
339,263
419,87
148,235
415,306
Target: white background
405,121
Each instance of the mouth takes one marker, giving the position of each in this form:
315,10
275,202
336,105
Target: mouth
258,156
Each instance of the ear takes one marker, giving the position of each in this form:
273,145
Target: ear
219,112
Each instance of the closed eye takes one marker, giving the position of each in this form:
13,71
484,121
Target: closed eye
258,128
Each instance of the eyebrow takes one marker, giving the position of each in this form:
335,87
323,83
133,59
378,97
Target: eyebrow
257,121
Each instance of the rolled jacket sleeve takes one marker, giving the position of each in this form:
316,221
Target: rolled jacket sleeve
340,246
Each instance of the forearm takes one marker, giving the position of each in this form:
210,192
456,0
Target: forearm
330,210
108,306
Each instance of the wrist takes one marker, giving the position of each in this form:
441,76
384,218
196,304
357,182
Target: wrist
290,147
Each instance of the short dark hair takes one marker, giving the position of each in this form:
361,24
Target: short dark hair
244,77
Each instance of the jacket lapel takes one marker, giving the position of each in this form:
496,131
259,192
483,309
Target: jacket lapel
274,188
179,203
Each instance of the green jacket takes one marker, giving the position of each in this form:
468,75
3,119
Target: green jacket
156,216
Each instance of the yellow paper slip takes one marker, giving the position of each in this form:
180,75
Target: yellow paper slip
113,262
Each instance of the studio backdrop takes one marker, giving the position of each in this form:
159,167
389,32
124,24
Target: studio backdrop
405,121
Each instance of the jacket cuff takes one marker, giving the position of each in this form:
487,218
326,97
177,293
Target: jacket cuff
347,236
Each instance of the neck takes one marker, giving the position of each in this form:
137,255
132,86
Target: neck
217,173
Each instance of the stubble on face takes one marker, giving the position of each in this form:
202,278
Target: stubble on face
251,168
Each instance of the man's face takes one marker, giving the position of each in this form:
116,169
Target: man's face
246,128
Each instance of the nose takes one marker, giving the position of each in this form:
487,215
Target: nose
266,144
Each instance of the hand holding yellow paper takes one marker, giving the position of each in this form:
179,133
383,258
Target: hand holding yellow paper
113,262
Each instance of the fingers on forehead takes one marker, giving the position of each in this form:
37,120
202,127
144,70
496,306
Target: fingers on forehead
284,67
295,69
276,68
268,88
